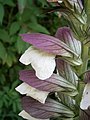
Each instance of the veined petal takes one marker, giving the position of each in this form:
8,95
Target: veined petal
65,34
48,43
51,108
34,93
27,116
85,102
49,85
43,63
54,83
65,70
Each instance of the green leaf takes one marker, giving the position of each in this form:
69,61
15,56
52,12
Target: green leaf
9,3
1,102
15,26
2,78
43,2
15,83
10,58
21,5
9,61
13,38
21,45
4,36
3,53
1,13
14,106
38,28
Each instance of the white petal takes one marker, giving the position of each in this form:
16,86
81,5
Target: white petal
85,102
25,58
60,1
32,92
25,115
43,63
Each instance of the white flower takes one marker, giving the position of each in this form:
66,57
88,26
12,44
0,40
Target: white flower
59,1
85,102
24,88
25,115
42,62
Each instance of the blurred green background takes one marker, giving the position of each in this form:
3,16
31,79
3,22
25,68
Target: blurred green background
16,17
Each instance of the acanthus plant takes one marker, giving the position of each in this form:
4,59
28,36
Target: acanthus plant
54,86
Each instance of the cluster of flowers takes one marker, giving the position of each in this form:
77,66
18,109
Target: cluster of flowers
46,54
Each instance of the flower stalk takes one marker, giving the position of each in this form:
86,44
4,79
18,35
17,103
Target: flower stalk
61,53
85,56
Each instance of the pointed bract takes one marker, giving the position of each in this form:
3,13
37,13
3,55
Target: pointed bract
65,34
66,71
77,4
73,61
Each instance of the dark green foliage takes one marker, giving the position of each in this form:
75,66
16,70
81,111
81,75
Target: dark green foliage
16,17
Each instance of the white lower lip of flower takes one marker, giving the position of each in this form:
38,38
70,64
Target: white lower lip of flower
32,92
60,1
85,102
43,63
25,115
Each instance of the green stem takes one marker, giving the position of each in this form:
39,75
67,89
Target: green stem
83,67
